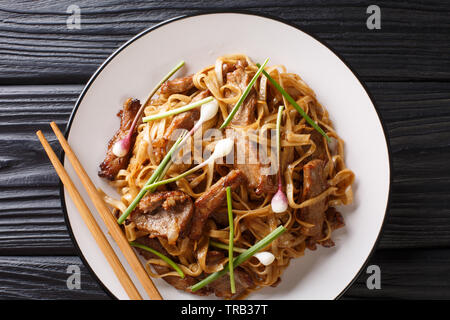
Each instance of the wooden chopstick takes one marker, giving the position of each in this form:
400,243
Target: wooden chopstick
108,218
90,222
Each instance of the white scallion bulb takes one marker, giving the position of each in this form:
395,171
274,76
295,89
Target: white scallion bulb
222,148
265,257
119,149
209,110
279,202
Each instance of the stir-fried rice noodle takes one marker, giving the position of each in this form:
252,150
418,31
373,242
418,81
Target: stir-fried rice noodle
253,216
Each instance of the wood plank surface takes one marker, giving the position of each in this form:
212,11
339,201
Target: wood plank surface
36,47
405,274
37,277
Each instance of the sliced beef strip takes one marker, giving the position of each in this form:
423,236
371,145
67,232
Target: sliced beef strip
212,199
246,113
177,282
311,244
178,85
112,164
185,120
164,214
222,289
221,218
227,67
320,152
326,243
230,67
335,218
246,160
314,183
202,95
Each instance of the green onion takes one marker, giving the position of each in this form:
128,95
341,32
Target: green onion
157,174
241,258
177,110
221,245
166,77
156,184
170,180
122,147
279,201
160,255
295,105
278,128
230,242
244,95
221,149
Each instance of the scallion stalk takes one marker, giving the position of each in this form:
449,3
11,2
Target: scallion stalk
241,258
157,174
221,149
244,95
170,180
262,256
177,110
278,128
295,105
224,246
169,261
231,240
279,201
122,147
166,77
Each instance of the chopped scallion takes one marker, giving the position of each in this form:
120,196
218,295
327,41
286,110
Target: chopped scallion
231,240
241,258
169,261
278,128
221,245
166,77
177,110
295,105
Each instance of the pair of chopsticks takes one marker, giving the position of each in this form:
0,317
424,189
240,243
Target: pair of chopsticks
106,216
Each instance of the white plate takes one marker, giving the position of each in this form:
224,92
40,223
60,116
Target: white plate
140,63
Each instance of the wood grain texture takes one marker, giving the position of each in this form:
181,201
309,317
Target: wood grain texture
404,274
36,47
29,197
417,116
34,277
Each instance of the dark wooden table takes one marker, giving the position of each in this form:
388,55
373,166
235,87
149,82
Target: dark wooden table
405,65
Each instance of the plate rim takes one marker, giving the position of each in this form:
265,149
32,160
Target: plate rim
210,12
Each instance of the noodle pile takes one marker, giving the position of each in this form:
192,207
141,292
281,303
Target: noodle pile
253,217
